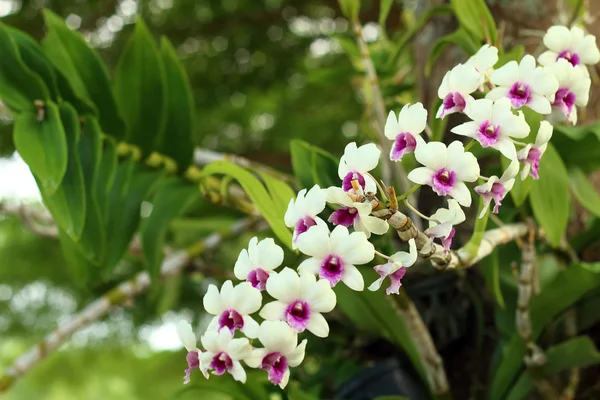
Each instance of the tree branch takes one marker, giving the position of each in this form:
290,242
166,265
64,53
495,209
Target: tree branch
172,265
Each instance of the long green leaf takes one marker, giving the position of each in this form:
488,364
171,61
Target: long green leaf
490,267
584,191
578,352
280,192
257,193
141,92
550,196
572,284
384,9
19,86
313,165
172,200
43,145
68,203
177,140
460,37
83,68
472,246
476,18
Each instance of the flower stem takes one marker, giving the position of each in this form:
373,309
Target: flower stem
416,211
410,191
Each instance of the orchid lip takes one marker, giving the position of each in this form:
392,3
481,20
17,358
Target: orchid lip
220,363
297,315
519,94
276,365
443,181
345,216
258,278
332,269
303,225
352,176
231,320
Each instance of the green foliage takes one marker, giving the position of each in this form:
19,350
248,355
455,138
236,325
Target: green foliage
460,37
177,139
490,266
313,166
472,246
350,8
578,352
584,192
84,71
476,18
19,86
43,145
270,206
550,196
141,92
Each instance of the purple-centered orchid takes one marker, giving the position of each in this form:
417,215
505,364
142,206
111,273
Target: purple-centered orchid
493,125
189,341
223,354
446,169
524,84
572,45
442,222
302,212
530,155
356,163
299,301
232,307
334,256
456,88
484,61
402,130
354,213
497,188
573,88
395,269
258,262
281,351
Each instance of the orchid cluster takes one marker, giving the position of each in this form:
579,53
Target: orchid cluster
491,98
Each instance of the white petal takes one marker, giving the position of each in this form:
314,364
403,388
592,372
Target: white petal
212,300
245,298
210,341
315,241
297,356
407,259
391,126
353,278
320,296
547,58
317,325
539,104
544,134
557,38
480,110
250,327
238,372
242,266
238,349
432,154
336,195
353,248
186,335
460,192
310,266
314,201
464,164
375,225
284,286
412,119
257,355
273,311
505,146
466,129
505,75
270,255
349,153
497,93
278,336
421,175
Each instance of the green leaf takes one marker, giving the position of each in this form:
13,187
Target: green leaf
313,165
572,283
68,203
476,18
550,196
584,191
82,270
374,312
295,393
472,246
106,175
140,90
83,106
177,140
350,9
280,192
384,9
132,184
43,145
35,59
257,193
515,54
84,70
19,86
93,238
578,148
460,37
171,201
490,266
578,352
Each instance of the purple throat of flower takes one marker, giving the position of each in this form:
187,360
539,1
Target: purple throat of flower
193,362
332,269
533,158
488,134
565,100
498,192
352,176
297,315
231,320
571,57
276,365
302,226
443,181
345,216
258,278
220,363
519,94
404,143
452,103
395,278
